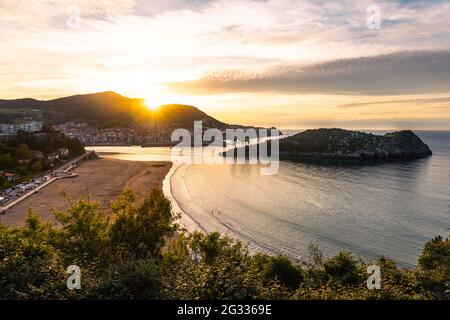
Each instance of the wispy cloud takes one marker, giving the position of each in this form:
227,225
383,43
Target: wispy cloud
444,100
22,14
392,74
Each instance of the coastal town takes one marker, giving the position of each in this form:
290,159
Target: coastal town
133,135
30,159
32,156
15,191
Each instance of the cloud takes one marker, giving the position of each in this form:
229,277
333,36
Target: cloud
151,8
406,101
25,13
179,40
391,74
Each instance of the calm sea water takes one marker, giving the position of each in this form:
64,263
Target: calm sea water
387,209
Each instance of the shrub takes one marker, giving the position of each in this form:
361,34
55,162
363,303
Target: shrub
280,268
29,269
138,253
141,231
134,279
342,269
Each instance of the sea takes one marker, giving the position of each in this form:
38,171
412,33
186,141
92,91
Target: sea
374,209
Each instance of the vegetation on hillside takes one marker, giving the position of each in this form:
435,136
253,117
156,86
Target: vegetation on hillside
139,252
103,110
343,143
18,154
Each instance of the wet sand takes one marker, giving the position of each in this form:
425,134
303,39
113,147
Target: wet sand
101,179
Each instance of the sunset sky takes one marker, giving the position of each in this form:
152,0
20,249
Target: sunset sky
287,63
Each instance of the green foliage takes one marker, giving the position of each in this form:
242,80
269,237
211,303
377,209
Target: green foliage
6,160
133,279
141,231
84,232
343,269
434,266
23,152
37,166
47,141
30,268
436,255
137,252
281,269
4,183
339,142
16,154
212,267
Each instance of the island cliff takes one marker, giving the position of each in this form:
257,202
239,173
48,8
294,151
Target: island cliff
343,144
339,143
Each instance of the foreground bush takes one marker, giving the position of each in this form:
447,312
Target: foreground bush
138,252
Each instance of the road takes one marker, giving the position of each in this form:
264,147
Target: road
60,173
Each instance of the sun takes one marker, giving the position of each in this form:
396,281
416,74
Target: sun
156,99
151,105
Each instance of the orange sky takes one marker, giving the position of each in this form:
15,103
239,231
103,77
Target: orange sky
291,64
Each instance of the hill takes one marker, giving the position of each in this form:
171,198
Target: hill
339,143
105,109
344,144
183,116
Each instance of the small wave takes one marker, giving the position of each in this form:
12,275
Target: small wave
186,220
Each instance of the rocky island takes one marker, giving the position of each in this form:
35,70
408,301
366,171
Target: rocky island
344,144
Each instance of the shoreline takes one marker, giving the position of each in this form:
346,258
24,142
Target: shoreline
191,224
186,220
201,220
15,216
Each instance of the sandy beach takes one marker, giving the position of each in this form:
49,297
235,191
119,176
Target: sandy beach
102,179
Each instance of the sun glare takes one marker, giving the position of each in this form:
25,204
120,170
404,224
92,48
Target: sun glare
151,105
155,100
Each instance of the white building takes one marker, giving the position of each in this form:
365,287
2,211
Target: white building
12,129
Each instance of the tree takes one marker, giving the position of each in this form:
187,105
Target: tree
210,266
137,254
342,269
133,279
23,152
281,268
84,232
6,160
434,266
141,231
30,268
4,183
37,166
435,254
